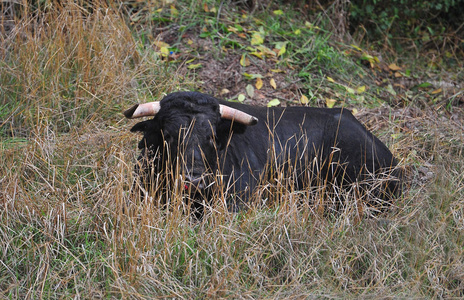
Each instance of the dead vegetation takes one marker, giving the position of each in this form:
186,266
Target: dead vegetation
66,169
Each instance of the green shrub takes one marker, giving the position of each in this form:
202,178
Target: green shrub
420,20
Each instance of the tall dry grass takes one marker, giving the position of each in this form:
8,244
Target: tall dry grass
70,228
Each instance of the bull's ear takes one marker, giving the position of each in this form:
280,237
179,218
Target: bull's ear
151,134
141,126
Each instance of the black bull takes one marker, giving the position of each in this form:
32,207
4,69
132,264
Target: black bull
317,146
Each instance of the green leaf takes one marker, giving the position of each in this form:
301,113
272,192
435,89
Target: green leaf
273,102
282,47
241,98
391,90
350,90
250,90
278,12
279,45
252,76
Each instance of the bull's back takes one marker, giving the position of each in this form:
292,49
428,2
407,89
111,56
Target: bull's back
297,135
293,135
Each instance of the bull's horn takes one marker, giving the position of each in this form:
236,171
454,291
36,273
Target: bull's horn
142,110
238,116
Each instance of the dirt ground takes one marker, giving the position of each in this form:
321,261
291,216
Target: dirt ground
221,74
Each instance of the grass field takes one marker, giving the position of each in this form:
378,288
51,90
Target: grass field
67,71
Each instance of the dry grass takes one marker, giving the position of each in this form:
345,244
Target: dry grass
66,169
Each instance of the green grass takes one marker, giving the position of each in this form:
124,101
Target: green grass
68,227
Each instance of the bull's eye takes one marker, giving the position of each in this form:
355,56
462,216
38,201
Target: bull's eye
167,137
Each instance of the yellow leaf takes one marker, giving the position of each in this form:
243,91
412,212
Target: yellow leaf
330,102
304,99
436,91
394,67
224,91
277,71
259,83
356,47
266,51
244,61
361,89
164,51
282,51
330,79
311,26
257,38
194,66
398,74
174,11
278,12
257,54
273,83
232,29
160,44
354,111
297,32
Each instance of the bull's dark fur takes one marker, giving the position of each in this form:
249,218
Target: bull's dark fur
331,143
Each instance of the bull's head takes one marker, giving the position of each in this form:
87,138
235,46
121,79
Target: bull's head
189,129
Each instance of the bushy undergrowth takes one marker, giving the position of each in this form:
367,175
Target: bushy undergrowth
423,24
68,230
